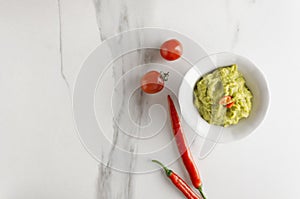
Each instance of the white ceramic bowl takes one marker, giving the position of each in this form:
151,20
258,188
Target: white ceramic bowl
255,80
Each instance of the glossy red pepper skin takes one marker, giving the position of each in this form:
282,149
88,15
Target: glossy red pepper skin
184,150
230,105
183,186
179,183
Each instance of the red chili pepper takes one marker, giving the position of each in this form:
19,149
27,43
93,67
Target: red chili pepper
184,151
225,100
179,182
230,105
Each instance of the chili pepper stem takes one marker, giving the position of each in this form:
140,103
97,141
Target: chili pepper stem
201,192
168,171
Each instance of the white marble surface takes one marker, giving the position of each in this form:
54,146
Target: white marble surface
41,54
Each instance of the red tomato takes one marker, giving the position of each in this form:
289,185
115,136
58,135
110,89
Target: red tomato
152,82
171,50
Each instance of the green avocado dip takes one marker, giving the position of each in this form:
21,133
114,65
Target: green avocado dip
222,96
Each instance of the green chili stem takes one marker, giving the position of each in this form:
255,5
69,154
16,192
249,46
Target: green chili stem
168,171
201,192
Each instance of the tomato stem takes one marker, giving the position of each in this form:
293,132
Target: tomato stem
164,76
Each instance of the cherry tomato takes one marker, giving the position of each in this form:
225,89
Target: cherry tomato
171,50
225,100
152,82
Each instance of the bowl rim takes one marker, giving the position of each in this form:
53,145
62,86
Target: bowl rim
263,77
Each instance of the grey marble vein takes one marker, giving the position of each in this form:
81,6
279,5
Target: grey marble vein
112,18
98,6
61,46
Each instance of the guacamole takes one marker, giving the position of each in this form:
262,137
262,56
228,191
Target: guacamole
222,96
